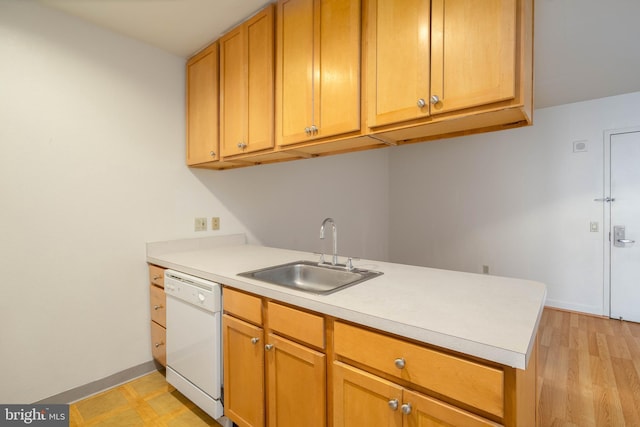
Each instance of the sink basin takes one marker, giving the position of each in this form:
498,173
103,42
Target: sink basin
310,277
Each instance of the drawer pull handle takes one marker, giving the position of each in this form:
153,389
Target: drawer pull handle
406,408
255,340
158,344
157,307
268,347
399,362
393,404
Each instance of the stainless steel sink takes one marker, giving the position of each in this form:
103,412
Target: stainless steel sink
311,277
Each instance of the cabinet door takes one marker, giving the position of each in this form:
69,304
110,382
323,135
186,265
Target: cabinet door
318,73
260,80
428,412
294,74
233,92
243,372
296,384
362,399
398,60
337,86
472,53
247,86
202,107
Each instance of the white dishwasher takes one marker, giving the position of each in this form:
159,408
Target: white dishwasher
194,344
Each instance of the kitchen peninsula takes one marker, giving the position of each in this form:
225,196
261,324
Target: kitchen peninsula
482,327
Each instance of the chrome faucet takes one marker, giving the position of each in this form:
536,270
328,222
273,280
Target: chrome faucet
334,260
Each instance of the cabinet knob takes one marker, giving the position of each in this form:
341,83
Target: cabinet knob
314,130
242,145
157,307
212,153
434,99
307,130
255,340
156,277
399,362
268,347
158,344
421,103
406,408
393,404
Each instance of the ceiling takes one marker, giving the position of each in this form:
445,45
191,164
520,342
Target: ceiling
584,49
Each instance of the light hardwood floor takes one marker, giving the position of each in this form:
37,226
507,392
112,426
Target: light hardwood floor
589,371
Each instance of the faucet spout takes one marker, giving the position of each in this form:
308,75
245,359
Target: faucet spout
334,229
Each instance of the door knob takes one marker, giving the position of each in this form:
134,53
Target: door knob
393,404
619,238
406,408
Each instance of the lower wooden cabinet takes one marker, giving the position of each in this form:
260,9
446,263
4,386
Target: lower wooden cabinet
274,370
296,392
159,343
158,302
244,372
285,366
361,398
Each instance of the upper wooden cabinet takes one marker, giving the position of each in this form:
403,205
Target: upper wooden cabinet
433,57
317,69
247,86
428,69
202,107
398,71
472,53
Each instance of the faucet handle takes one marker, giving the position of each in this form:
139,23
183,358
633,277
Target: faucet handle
322,261
349,264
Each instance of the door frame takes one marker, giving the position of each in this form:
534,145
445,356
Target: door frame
606,208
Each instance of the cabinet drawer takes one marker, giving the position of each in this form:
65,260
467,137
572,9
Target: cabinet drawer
158,305
462,380
158,343
156,275
244,306
299,325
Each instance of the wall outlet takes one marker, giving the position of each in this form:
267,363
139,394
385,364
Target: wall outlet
200,224
485,269
215,223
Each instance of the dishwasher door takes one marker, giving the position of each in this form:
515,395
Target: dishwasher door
193,345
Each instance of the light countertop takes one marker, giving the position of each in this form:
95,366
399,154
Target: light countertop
494,318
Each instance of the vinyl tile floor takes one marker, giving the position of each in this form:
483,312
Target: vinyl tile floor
145,401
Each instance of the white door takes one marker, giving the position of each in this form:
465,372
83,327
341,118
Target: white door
624,247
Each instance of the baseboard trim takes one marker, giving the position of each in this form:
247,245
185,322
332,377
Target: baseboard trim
97,386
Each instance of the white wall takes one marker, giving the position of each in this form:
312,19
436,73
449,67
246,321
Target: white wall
519,201
283,204
91,168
